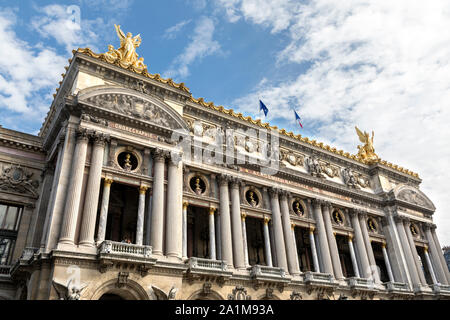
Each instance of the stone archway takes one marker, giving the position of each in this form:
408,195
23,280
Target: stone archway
129,291
201,295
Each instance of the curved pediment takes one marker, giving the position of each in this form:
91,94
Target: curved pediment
133,104
414,196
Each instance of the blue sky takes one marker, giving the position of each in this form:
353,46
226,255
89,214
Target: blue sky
382,65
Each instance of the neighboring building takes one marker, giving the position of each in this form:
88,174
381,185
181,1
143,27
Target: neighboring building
99,206
447,256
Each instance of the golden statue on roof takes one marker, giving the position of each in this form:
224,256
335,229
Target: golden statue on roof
366,152
126,55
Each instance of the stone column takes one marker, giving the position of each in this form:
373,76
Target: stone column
353,256
280,249
174,221
408,253
440,255
148,218
362,254
157,224
140,216
244,236
386,261
297,263
415,255
288,239
332,241
87,231
72,206
104,211
212,235
322,235
185,206
238,249
430,266
267,249
313,250
218,238
225,222
434,252
369,249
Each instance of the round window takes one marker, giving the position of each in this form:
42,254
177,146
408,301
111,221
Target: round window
197,185
298,208
127,161
338,217
372,225
252,198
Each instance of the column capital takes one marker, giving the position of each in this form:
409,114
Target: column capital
284,194
143,189
159,155
82,134
235,183
293,225
175,158
350,238
266,220
185,205
317,202
327,204
312,229
243,216
108,182
383,244
425,248
212,210
274,192
224,179
99,138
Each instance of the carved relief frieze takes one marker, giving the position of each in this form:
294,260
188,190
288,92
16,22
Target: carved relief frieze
294,159
17,179
314,167
329,169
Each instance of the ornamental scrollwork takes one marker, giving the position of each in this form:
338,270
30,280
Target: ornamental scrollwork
239,293
17,179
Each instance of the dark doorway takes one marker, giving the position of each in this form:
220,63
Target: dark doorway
379,260
111,296
345,257
255,241
197,232
303,249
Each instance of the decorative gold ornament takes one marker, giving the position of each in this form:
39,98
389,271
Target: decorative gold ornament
143,189
108,182
366,153
185,205
198,189
212,210
127,163
266,220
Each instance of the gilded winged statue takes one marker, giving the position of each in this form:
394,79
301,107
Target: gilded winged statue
366,152
126,55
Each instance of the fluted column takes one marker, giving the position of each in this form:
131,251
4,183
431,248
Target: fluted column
157,224
353,256
297,263
140,216
323,241
74,192
225,222
280,249
218,238
267,249
332,241
174,221
369,249
212,235
87,231
387,262
434,253
288,239
104,211
244,236
430,265
415,255
185,206
313,250
238,249
362,254
408,253
440,255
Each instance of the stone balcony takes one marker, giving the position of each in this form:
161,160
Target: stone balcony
319,279
111,252
208,267
361,284
441,289
397,287
265,273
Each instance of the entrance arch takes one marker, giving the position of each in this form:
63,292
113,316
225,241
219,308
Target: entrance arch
129,291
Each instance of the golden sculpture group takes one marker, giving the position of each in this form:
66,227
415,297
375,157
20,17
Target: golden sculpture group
366,152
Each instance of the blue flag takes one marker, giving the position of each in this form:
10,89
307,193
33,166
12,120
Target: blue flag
297,118
263,107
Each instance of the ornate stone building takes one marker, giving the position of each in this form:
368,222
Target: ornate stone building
125,194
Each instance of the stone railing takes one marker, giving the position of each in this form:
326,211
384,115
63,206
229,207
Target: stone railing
355,282
207,264
4,270
397,286
259,270
316,277
125,249
441,289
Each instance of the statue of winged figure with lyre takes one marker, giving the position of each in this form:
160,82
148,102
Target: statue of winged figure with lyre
366,152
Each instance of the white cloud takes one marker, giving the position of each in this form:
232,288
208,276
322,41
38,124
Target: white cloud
171,33
25,71
381,65
200,45
67,26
